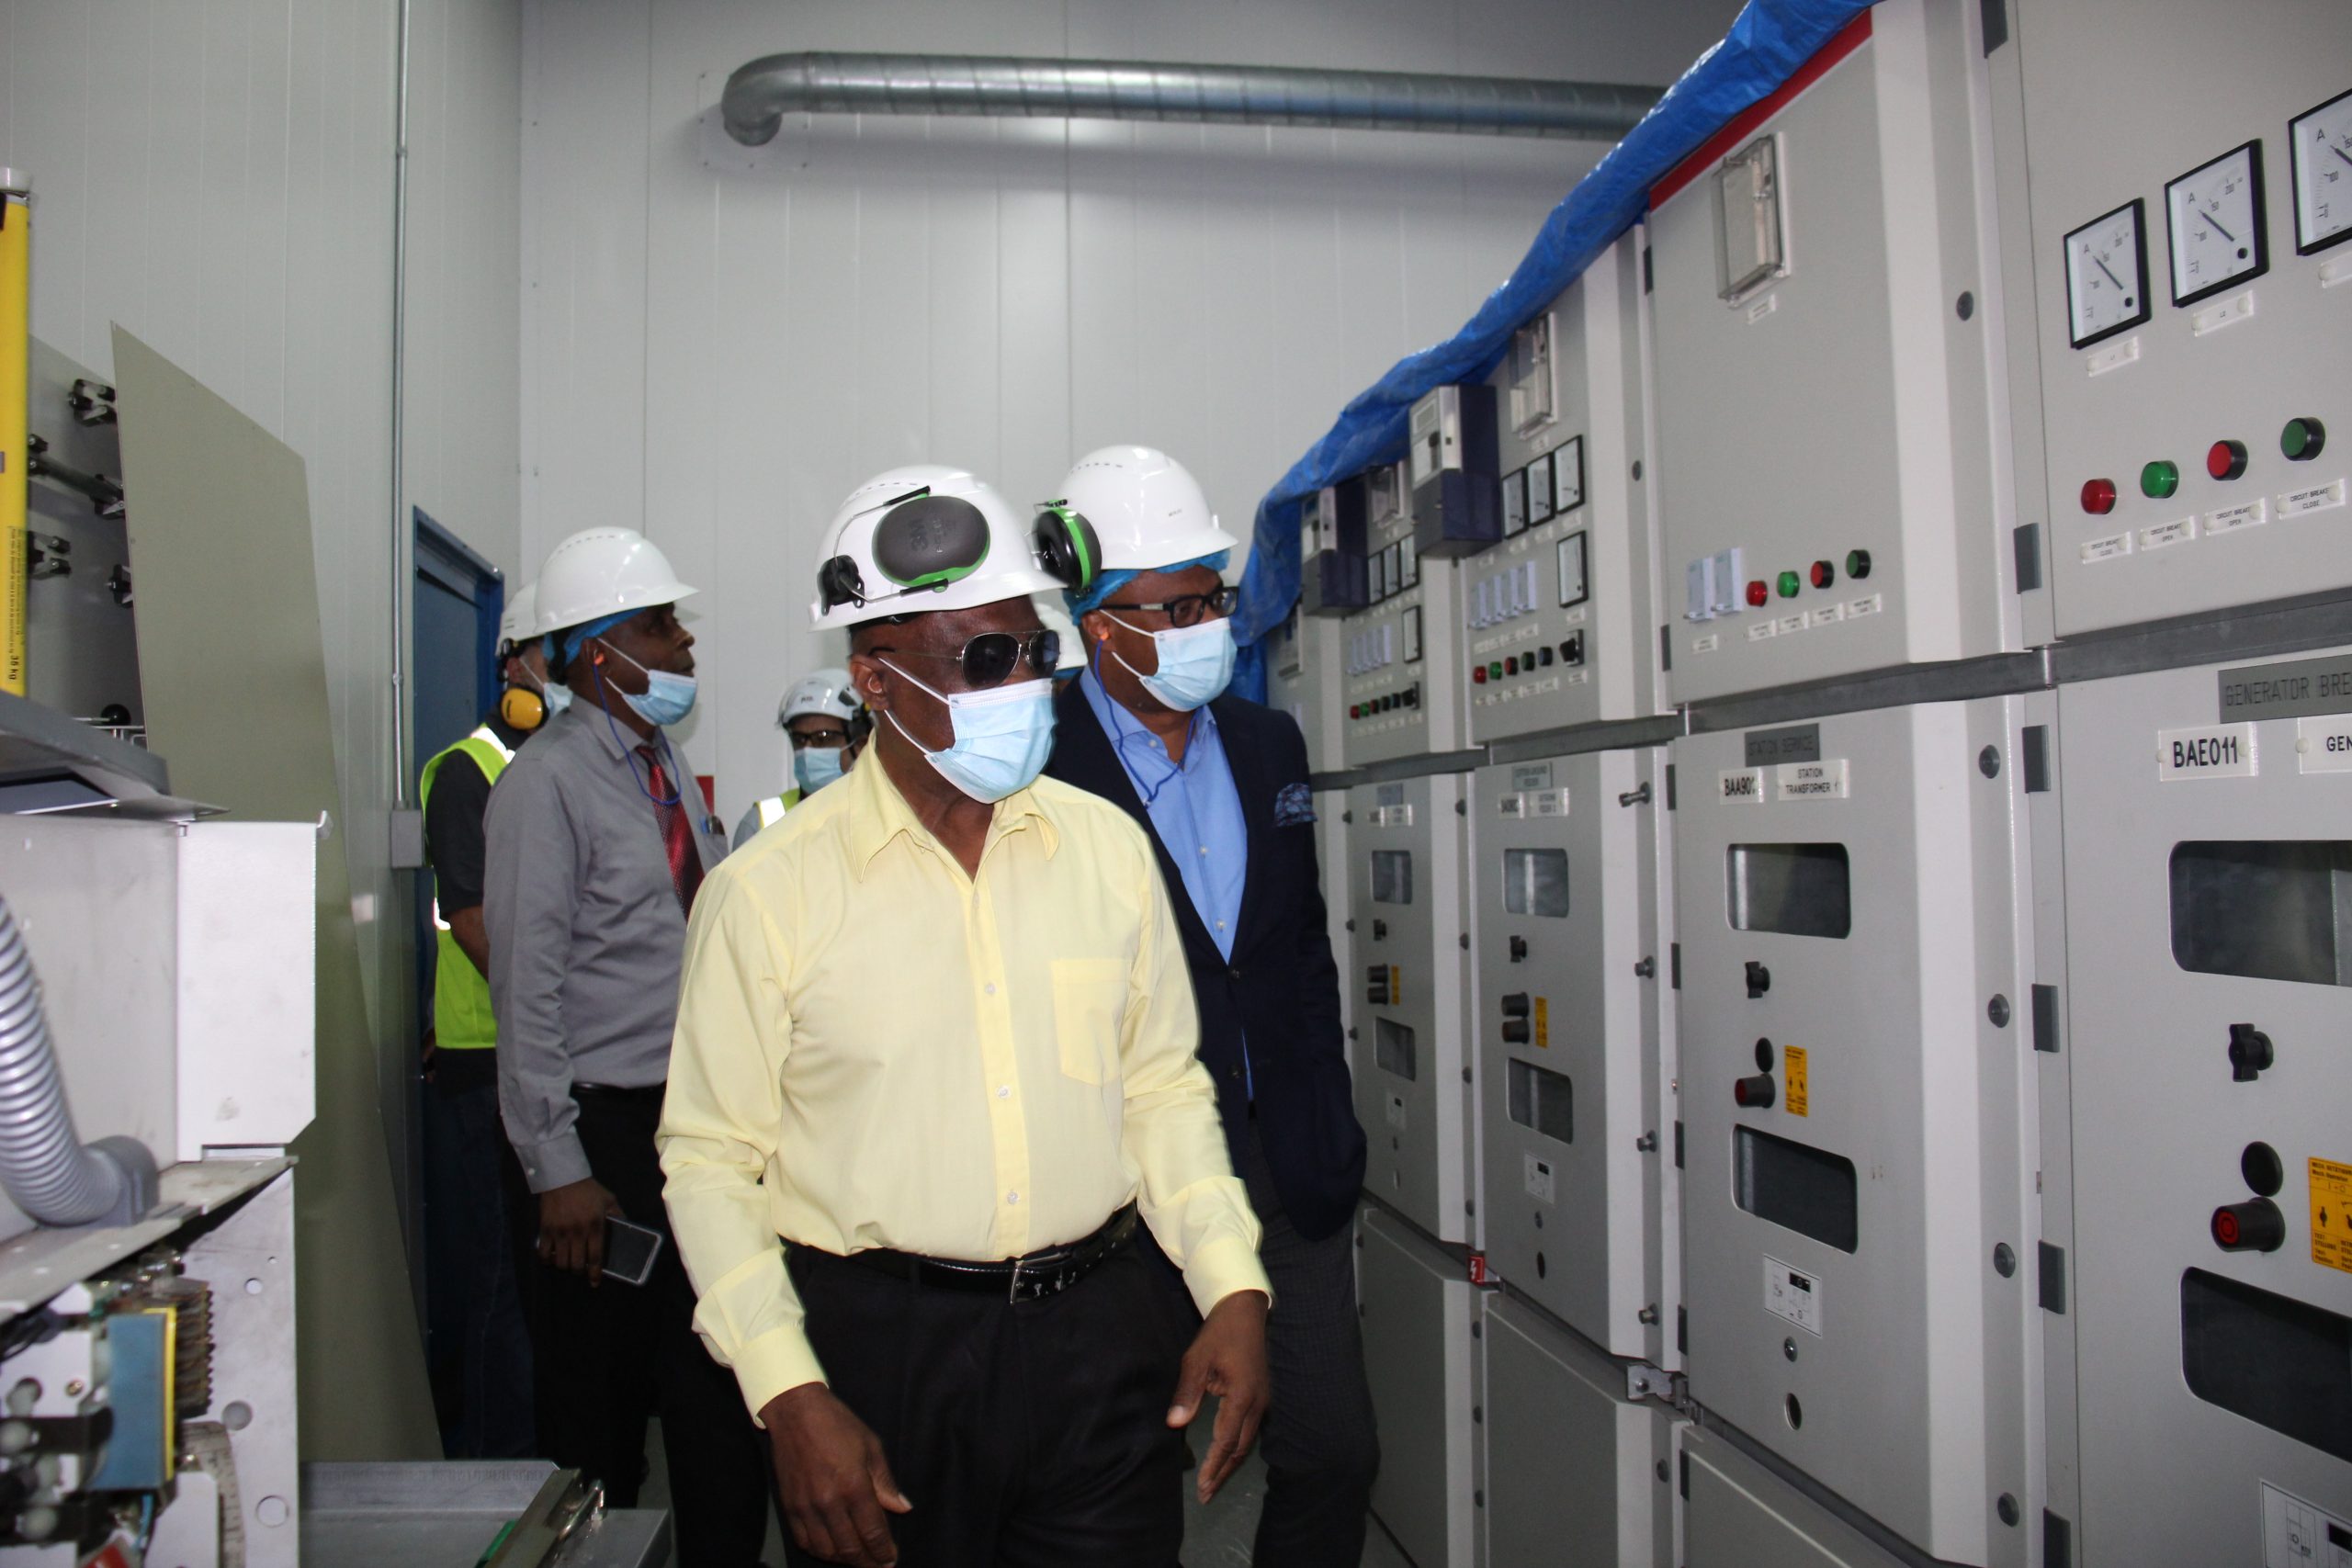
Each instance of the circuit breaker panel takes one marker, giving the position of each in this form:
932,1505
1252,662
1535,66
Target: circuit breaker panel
1566,973
1418,1316
1408,966
2208,1010
1571,1474
1557,617
1831,267
1858,1204
1302,681
2190,257
1399,658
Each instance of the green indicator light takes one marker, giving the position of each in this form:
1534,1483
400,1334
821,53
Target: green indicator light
1495,670
2159,480
2302,439
1857,563
1788,585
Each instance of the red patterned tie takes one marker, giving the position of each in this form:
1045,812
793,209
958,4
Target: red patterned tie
677,830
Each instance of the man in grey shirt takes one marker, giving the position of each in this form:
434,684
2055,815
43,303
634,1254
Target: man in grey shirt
595,847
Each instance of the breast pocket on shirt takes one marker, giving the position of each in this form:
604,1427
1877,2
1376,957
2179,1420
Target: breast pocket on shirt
1090,1006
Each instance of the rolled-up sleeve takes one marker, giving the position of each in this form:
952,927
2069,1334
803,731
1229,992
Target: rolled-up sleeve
719,1124
530,882
1198,1210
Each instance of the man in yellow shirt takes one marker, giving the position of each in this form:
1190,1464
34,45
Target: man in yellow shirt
935,1034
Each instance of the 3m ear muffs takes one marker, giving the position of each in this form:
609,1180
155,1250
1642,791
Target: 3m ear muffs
523,708
922,544
1066,547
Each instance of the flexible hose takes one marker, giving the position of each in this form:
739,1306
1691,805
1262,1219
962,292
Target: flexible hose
47,1171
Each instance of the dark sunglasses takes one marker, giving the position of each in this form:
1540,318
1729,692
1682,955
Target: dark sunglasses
1191,609
989,658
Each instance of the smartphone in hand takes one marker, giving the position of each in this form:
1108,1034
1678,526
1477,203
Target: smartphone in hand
630,1250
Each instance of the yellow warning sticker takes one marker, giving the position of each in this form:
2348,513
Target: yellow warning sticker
2332,1214
1542,1023
1396,987
1792,1068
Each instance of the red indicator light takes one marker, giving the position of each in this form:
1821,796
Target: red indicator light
1477,674
1823,574
2098,497
2225,1227
2226,459
1757,592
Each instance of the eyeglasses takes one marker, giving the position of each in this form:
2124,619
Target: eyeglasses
991,657
1191,609
822,740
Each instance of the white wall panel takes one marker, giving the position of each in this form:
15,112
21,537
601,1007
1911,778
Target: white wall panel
720,343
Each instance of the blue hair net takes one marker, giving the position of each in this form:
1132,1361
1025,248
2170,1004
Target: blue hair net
1110,582
578,635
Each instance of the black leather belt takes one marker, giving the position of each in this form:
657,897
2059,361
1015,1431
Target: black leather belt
634,1094
1024,1278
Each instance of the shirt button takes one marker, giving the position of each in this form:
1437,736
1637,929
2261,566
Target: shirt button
1220,925
1204,848
1004,1092
1012,1197
989,988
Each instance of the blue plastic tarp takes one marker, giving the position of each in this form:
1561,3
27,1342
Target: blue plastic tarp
1769,43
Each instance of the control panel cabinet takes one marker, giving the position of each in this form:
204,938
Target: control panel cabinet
1571,1464
2208,1011
1450,464
1557,617
1399,658
1419,1313
1331,550
1408,966
1302,679
1568,980
1837,482
1737,1513
1853,903
2194,296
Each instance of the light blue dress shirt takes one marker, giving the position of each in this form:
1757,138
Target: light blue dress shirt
1194,807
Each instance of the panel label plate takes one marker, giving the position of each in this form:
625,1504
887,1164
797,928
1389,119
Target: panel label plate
2206,751
1542,1184
1797,743
1742,786
2332,1214
2296,1534
1542,1023
2316,498
2229,519
1793,1295
2286,691
1792,1068
1811,781
2324,745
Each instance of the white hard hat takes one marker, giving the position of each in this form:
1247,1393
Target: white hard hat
927,536
826,693
603,571
520,618
1148,511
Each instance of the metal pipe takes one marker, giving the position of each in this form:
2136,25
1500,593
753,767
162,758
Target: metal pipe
45,1168
759,95
400,530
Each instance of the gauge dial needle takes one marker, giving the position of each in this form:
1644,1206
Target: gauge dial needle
2217,223
2101,262
2340,152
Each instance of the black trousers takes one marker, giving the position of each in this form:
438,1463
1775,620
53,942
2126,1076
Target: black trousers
1028,1435
1319,1441
480,1351
609,1358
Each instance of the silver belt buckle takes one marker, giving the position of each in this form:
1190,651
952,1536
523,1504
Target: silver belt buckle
1012,1290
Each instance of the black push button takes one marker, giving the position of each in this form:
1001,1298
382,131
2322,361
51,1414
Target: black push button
1756,1093
1515,1005
1515,1032
1760,979
2255,1226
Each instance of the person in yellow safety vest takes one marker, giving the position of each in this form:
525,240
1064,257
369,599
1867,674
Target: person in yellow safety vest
481,1351
827,727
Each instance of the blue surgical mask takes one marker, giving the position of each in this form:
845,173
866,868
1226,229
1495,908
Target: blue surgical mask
1195,663
1003,736
816,766
557,695
666,699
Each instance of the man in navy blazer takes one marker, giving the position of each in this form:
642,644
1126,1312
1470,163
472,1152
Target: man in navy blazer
1221,785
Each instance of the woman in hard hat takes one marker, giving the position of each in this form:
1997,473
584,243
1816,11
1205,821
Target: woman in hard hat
826,727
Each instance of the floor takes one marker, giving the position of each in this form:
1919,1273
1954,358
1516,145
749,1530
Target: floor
1216,1535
